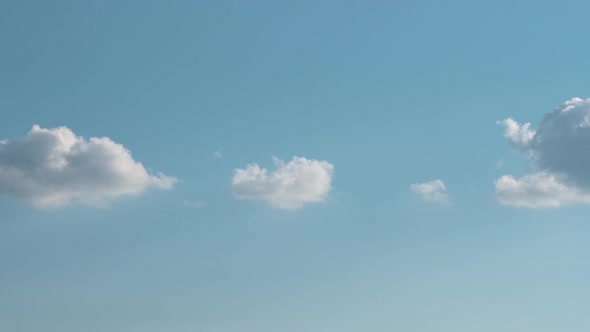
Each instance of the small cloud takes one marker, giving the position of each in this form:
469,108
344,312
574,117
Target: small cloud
518,135
217,154
290,186
52,168
433,191
193,204
500,163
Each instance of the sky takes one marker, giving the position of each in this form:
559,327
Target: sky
294,166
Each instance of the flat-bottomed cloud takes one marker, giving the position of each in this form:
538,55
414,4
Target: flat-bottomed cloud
54,167
290,186
432,191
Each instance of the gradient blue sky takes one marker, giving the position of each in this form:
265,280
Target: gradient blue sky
392,93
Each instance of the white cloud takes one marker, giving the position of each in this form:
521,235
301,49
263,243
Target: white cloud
433,191
217,154
290,186
518,135
558,152
537,190
54,167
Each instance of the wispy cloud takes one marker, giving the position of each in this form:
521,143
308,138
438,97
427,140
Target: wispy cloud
193,204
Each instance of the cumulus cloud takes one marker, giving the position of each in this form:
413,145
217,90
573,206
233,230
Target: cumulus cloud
538,190
518,135
433,191
54,167
290,186
558,153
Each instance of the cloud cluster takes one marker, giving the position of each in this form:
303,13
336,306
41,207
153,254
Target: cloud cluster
290,186
54,168
433,191
559,156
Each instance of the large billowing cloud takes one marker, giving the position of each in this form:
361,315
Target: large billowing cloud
54,168
432,191
290,186
559,152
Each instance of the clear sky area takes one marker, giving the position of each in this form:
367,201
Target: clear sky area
294,166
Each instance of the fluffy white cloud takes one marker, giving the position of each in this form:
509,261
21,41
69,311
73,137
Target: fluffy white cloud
537,190
558,152
54,167
518,135
433,191
290,186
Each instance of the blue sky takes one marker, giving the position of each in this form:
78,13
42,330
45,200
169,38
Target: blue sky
420,199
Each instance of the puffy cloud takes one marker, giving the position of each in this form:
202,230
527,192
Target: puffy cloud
290,186
54,167
518,135
537,190
558,152
433,191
